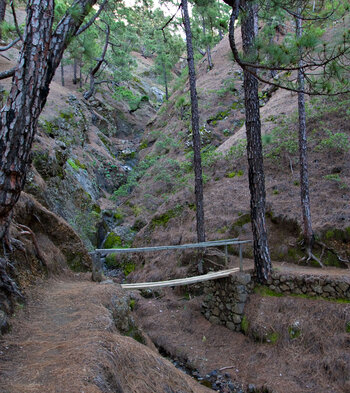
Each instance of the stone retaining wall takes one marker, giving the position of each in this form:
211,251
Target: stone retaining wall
324,286
225,298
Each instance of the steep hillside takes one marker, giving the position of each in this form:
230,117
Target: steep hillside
161,204
84,149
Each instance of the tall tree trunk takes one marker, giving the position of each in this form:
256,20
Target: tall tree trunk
254,152
62,73
75,69
195,127
165,82
80,75
208,51
304,176
2,14
20,115
40,56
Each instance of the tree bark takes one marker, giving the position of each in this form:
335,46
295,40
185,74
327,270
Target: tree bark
40,56
254,152
2,13
304,175
195,127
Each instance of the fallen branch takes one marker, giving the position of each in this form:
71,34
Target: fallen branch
226,368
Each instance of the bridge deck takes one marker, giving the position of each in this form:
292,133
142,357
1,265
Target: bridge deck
181,281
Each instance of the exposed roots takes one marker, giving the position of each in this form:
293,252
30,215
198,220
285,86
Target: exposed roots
6,282
27,231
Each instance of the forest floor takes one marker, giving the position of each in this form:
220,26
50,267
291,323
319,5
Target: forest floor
64,340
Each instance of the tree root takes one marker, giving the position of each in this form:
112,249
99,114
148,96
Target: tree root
332,250
6,283
312,256
324,247
28,231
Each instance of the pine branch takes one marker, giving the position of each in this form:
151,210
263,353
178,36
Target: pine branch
251,67
10,45
92,20
15,20
8,73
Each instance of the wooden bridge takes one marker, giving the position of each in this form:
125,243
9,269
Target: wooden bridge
98,253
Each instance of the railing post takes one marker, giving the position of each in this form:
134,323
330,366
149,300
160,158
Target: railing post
226,255
240,258
97,273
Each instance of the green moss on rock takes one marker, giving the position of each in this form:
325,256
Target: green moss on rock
113,241
245,324
163,219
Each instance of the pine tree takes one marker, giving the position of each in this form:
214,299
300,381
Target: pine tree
195,127
41,54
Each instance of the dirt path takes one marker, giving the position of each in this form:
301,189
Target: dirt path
65,340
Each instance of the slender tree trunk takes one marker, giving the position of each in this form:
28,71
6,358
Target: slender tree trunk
208,51
254,152
304,176
80,76
88,94
2,14
165,82
256,18
75,69
62,73
195,127
40,56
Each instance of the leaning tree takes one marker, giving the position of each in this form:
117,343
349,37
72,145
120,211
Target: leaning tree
41,54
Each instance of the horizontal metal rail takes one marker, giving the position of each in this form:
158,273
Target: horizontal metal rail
178,247
98,253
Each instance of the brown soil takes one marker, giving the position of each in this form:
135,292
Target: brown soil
316,361
65,340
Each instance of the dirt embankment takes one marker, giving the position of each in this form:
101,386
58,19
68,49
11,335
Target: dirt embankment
66,340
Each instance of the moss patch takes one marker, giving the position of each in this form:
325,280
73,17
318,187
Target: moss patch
272,338
263,290
163,219
76,164
347,327
113,241
245,324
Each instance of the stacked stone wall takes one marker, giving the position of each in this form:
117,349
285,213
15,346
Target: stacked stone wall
310,285
225,298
